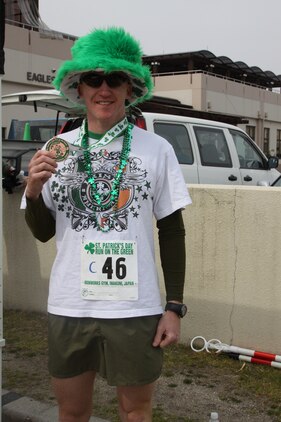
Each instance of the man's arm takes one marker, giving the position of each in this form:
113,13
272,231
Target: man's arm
172,254
173,261
39,219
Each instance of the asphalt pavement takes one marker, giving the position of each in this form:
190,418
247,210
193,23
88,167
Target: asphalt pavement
16,408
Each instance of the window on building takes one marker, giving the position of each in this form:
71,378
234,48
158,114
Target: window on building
12,11
266,132
251,130
278,143
22,12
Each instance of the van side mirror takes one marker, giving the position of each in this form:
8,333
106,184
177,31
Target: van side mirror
273,162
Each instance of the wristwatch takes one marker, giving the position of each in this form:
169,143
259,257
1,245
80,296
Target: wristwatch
179,308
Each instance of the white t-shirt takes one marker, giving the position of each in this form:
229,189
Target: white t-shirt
110,274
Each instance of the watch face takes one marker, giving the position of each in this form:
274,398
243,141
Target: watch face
179,309
183,310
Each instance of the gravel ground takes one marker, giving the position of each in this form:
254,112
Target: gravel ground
184,393
186,398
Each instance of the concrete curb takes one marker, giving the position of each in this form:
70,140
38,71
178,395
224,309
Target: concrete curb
16,408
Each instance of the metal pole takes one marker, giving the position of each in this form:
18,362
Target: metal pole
1,255
2,60
2,341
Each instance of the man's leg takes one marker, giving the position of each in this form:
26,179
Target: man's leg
135,403
74,396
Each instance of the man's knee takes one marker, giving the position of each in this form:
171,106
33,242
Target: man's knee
135,403
139,413
74,396
73,415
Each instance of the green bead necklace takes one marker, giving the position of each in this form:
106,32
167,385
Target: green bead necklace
115,186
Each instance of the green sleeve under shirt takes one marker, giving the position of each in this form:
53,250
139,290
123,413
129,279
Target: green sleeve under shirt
172,253
39,219
171,234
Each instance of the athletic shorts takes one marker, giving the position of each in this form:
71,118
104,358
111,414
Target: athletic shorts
120,350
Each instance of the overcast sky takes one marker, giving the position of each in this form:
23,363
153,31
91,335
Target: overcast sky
243,30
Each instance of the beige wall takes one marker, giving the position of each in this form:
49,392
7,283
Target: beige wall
27,53
233,277
209,92
233,287
25,40
223,95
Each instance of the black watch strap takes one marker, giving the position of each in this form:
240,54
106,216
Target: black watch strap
179,308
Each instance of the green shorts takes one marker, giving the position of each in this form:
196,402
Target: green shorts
120,350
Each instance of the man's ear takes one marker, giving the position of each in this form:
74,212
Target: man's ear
129,92
79,90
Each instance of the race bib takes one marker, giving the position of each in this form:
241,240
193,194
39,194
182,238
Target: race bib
109,270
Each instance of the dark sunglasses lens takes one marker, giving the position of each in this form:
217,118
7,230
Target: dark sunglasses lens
113,80
92,80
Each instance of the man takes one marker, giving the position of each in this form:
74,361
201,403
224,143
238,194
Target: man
97,189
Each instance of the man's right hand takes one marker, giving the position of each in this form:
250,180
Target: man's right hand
41,167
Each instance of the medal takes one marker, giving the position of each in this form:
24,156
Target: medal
59,147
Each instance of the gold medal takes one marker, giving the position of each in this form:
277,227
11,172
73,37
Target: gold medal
59,147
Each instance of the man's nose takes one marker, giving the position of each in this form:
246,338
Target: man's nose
104,85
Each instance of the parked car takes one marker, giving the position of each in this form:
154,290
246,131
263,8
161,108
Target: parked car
209,152
277,182
38,129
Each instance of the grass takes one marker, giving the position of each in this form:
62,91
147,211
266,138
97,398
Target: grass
25,372
25,333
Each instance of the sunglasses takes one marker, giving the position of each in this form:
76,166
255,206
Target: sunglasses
95,80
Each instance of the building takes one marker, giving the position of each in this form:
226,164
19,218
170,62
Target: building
208,86
217,84
33,52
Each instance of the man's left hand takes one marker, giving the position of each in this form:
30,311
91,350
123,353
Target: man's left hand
168,330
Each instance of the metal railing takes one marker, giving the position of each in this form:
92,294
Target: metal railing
216,75
37,29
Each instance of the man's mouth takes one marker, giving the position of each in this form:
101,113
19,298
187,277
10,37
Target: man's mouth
104,102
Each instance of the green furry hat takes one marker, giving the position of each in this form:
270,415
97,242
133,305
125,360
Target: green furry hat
106,50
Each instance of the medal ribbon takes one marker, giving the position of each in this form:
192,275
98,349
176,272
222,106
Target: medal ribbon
108,137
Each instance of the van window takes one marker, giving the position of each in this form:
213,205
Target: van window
178,137
40,130
212,147
249,157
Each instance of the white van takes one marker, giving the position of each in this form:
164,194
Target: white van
213,152
208,151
